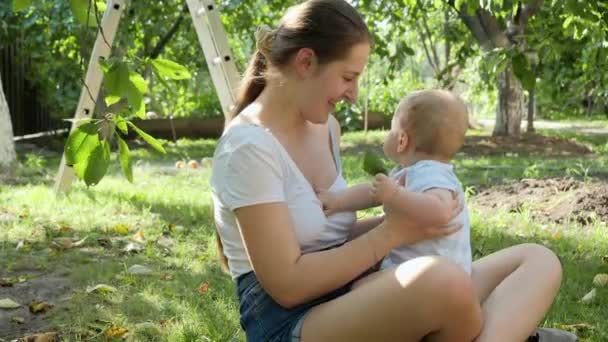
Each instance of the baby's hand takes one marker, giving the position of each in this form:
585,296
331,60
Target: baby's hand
330,201
384,188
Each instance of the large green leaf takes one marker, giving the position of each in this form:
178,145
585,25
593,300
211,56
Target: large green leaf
117,80
171,69
81,142
121,123
125,159
84,11
373,165
523,72
135,94
148,138
19,5
92,169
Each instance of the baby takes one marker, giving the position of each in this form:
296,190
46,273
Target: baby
427,130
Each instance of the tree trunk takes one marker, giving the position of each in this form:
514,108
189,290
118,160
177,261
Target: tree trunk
510,104
7,147
531,110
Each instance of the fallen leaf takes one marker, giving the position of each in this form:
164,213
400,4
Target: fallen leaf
139,236
165,241
40,307
115,331
600,280
576,328
203,288
557,235
139,270
63,229
104,242
166,277
133,247
8,304
121,229
18,319
7,281
589,297
67,243
101,288
45,337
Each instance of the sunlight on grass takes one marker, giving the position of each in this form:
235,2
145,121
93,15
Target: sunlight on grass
167,304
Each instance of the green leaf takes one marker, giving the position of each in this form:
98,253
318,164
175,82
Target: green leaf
171,69
117,79
372,164
95,166
84,11
125,159
121,123
408,50
81,142
135,94
112,99
522,71
20,5
148,138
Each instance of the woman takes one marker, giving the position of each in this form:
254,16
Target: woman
293,266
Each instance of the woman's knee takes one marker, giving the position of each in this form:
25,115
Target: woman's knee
443,285
547,259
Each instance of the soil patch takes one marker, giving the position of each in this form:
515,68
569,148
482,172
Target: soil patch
50,288
523,144
558,200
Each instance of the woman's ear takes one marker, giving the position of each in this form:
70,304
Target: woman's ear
403,142
305,62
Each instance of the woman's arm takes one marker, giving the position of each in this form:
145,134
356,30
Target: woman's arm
291,277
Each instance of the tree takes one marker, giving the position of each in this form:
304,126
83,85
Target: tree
501,29
7,147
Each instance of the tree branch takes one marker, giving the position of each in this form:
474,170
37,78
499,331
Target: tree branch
529,10
430,36
156,51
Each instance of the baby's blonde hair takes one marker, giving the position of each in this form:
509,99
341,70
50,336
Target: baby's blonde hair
436,120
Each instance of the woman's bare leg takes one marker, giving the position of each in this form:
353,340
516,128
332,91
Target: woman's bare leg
425,297
516,287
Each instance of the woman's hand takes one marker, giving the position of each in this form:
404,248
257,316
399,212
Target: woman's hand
405,231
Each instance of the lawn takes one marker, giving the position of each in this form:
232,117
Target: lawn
163,223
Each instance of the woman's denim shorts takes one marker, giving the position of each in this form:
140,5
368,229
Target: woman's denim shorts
264,320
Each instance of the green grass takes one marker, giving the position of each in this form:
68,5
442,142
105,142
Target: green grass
177,204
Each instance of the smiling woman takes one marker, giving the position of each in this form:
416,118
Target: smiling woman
294,266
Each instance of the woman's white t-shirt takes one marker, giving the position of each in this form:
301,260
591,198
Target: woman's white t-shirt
250,166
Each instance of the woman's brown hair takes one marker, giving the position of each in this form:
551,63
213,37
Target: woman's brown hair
328,27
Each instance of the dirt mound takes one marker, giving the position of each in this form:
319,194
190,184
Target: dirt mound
523,144
557,200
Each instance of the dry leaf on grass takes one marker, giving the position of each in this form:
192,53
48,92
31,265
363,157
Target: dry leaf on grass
600,280
115,331
44,337
589,297
101,288
40,307
18,319
203,288
139,236
121,229
8,304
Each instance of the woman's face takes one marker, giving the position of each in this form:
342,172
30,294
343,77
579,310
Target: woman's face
330,83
